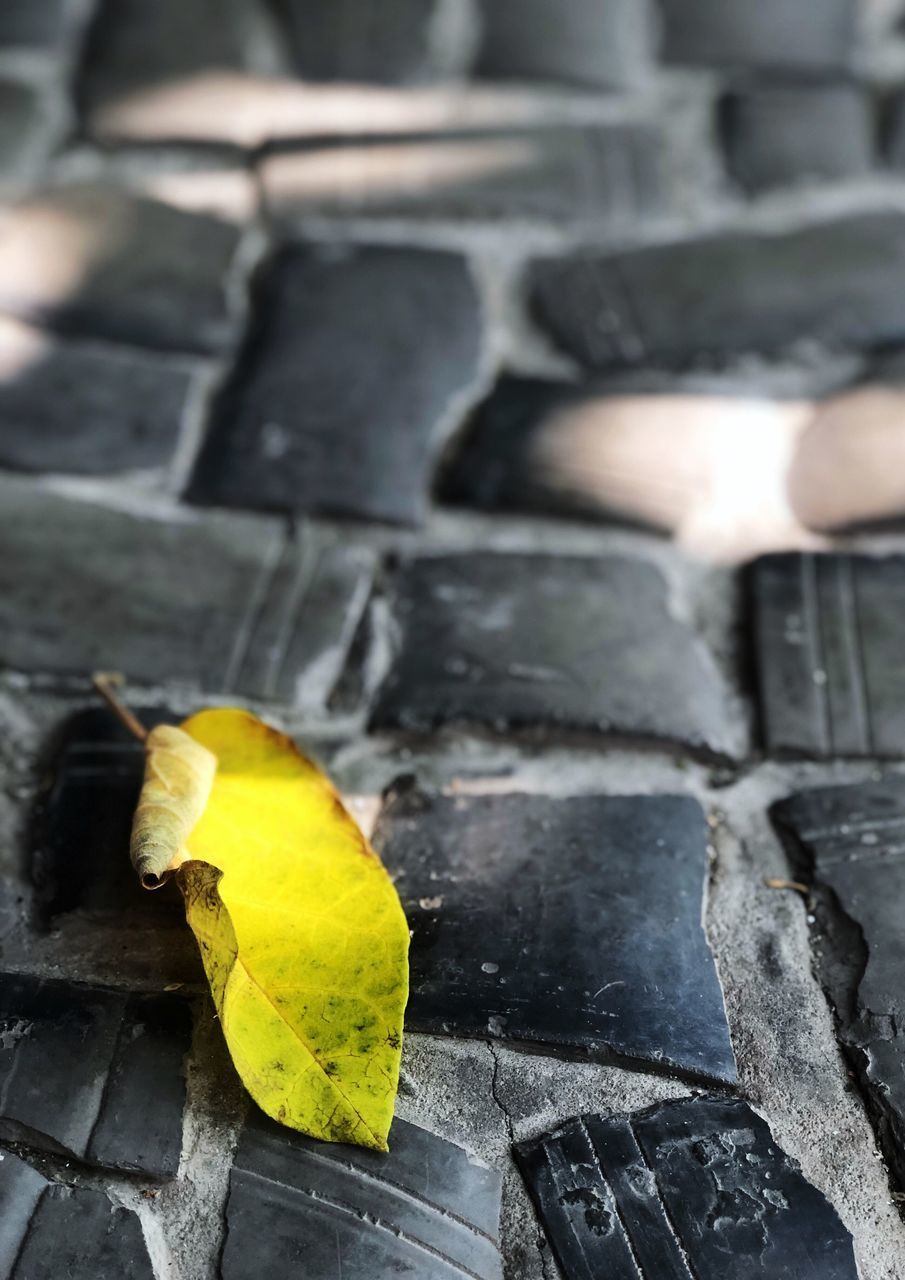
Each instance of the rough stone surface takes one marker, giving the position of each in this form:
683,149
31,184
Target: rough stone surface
578,41
383,41
132,45
94,1073
535,642
729,293
87,408
574,923
33,24
828,643
220,604
95,261
51,1231
426,1209
689,1188
777,135
295,432
24,135
851,842
566,176
771,35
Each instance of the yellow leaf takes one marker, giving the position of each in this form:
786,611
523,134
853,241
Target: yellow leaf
179,773
302,935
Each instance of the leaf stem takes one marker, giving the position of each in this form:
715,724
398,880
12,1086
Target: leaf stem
103,682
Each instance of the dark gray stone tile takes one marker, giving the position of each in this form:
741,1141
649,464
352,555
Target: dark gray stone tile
81,831
218,604
725,294
382,41
850,841
611,175
828,634
689,1188
574,923
893,132
49,1231
577,41
783,134
427,1209
549,643
94,261
86,408
132,45
815,37
93,1072
25,132
296,431
33,24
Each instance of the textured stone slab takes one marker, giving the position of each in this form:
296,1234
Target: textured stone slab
851,842
94,261
383,41
218,604
33,24
829,634
729,293
80,845
579,644
86,408
296,432
93,1072
779,135
567,175
50,1231
770,35
691,1188
25,132
132,45
427,1209
574,923
580,41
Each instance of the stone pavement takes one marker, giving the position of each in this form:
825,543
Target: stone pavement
298,302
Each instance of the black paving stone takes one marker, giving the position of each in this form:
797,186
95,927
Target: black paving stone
219,604
85,408
50,1231
574,923
33,24
689,1188
778,135
93,1072
565,175
818,36
80,839
577,41
111,265
297,431
133,45
851,842
893,132
382,41
834,283
829,638
580,644
427,1209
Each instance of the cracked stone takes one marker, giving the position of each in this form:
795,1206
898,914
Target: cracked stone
94,1073
549,174
94,261
771,35
295,432
581,644
850,842
691,1187
84,589
598,948
577,41
381,41
80,857
86,408
728,293
427,1209
828,641
51,1230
